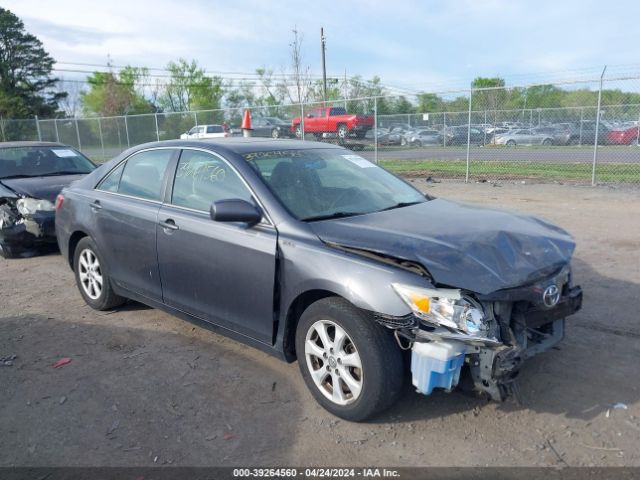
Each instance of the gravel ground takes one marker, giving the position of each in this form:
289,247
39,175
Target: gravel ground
144,388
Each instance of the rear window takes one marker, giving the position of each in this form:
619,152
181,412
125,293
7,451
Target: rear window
42,161
337,111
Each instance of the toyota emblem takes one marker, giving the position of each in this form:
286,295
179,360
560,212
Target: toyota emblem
551,296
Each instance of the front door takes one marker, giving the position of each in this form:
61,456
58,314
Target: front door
220,272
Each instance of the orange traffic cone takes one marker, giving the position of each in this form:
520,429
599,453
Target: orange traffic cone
246,124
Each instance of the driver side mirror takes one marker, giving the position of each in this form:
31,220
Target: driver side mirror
235,210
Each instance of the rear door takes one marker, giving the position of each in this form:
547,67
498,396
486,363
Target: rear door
125,207
223,273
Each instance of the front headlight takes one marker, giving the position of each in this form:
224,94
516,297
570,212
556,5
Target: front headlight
446,308
29,206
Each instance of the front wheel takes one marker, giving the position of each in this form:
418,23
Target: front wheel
92,278
298,130
275,133
547,142
511,143
342,131
352,365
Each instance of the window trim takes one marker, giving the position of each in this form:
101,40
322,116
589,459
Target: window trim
168,197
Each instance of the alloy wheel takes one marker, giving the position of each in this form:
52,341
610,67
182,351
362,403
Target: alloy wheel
90,274
334,362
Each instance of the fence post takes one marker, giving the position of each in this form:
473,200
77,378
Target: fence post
155,117
581,120
484,128
302,121
126,130
444,129
4,138
595,140
375,130
38,129
55,126
78,136
101,137
195,118
466,177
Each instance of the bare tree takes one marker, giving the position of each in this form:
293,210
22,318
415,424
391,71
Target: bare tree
71,104
301,75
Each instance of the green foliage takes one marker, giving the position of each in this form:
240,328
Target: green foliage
26,84
190,88
113,94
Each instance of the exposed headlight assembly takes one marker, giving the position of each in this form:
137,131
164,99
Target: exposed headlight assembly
29,206
445,308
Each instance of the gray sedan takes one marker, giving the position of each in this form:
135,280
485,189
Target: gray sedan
309,252
524,136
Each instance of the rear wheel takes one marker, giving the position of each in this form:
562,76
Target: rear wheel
547,141
275,133
417,143
298,130
352,365
511,143
92,277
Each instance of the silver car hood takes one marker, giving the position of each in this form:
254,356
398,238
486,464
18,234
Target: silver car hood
473,248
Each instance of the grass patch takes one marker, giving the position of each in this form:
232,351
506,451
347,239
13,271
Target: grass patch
606,172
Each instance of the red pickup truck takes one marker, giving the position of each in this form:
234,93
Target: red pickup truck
333,120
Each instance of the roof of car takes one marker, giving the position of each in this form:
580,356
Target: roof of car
30,144
242,145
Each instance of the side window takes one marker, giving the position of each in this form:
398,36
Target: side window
111,182
143,174
202,178
193,130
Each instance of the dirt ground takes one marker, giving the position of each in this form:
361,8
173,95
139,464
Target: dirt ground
144,388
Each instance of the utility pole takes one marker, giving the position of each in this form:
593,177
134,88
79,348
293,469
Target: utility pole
323,41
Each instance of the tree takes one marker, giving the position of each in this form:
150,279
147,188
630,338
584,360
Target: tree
119,93
493,97
301,75
190,88
26,85
429,102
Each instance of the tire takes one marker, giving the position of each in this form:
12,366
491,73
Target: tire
275,133
511,143
547,142
298,130
417,143
403,141
90,269
342,131
372,387
7,252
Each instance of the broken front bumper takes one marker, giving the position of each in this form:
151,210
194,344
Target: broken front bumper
493,365
27,233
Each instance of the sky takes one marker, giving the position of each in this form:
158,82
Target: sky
412,45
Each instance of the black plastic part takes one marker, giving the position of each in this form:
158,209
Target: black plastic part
235,210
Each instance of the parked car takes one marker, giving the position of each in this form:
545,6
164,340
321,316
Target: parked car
333,120
31,176
308,251
559,135
525,136
585,131
206,131
418,138
384,136
623,135
458,135
270,127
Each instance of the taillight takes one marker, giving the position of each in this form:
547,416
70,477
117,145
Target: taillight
59,201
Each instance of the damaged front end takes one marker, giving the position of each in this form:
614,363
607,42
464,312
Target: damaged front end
25,224
491,334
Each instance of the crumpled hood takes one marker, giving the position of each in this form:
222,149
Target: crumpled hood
47,187
473,248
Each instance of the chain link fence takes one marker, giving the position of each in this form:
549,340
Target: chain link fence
583,132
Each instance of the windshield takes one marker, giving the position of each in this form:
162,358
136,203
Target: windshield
315,184
18,162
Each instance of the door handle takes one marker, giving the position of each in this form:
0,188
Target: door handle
95,206
169,224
